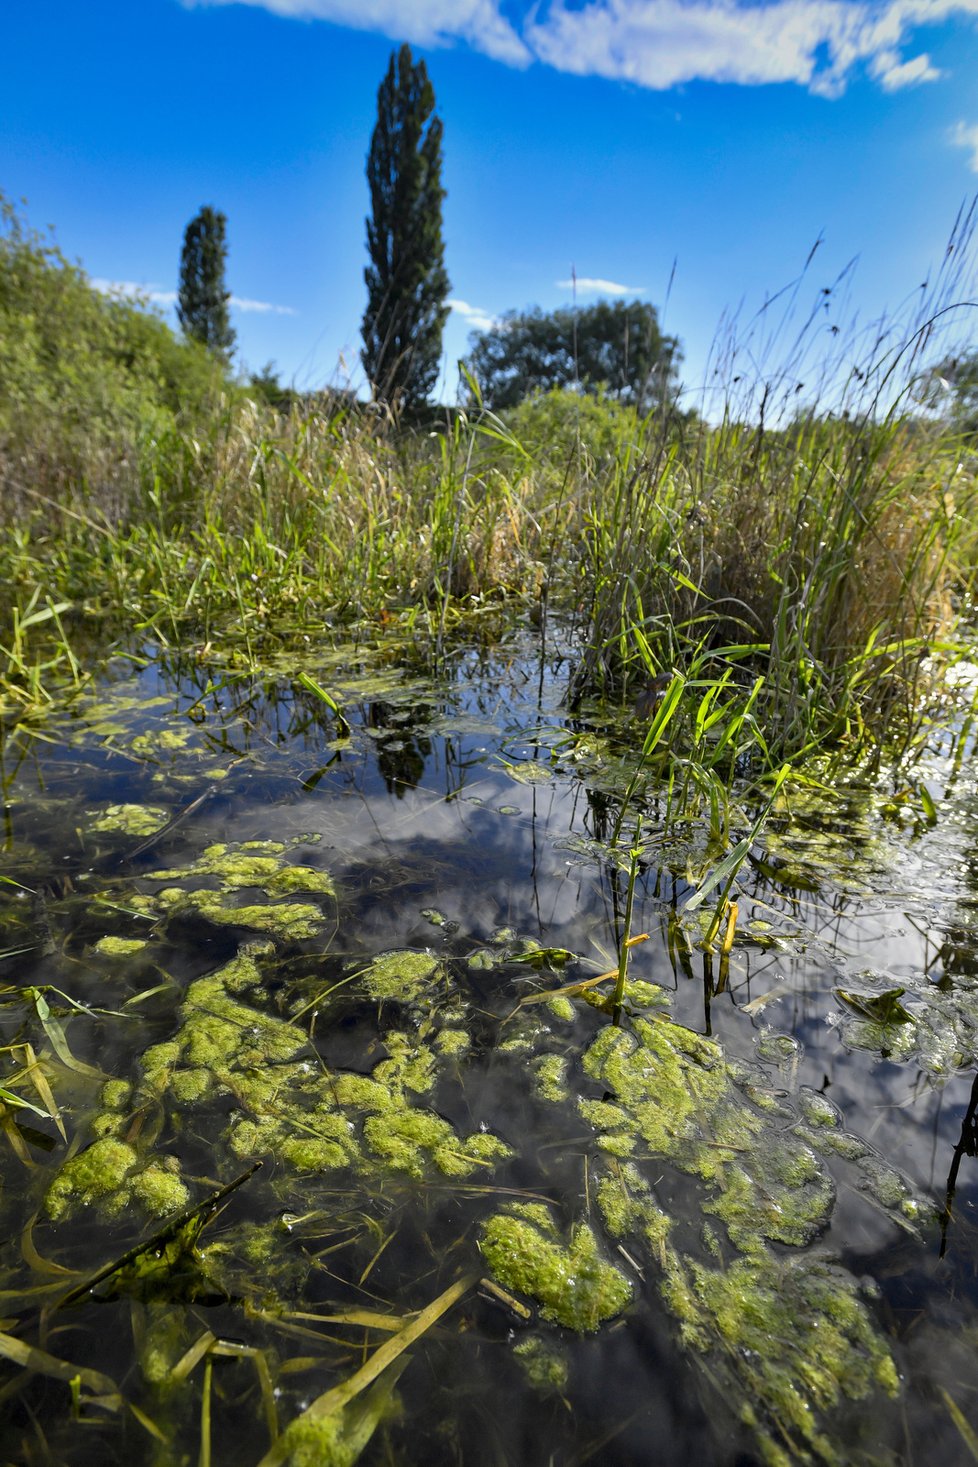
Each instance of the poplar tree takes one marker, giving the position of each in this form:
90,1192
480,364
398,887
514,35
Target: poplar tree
406,279
202,303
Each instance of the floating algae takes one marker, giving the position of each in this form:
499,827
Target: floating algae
796,1337
403,974
288,920
255,863
132,819
790,1336
153,742
243,1071
111,1173
338,1438
571,1282
249,865
818,835
528,772
228,1045
544,1365
672,1093
939,1031
550,1072
119,947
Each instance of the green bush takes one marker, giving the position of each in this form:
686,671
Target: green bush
88,383
563,429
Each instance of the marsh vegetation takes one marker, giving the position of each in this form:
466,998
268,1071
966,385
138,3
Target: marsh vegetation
412,1051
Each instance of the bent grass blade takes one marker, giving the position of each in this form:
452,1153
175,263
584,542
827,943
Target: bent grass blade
311,686
387,1354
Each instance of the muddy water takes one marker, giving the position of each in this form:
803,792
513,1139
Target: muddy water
738,1227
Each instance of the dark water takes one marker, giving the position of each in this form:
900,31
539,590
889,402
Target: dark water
469,817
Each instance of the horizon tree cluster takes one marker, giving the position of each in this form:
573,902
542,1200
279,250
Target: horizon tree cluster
617,348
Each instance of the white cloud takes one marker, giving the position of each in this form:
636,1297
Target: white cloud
964,136
265,308
131,291
818,44
593,285
663,43
476,317
893,74
422,22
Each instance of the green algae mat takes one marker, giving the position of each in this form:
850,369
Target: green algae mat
325,1139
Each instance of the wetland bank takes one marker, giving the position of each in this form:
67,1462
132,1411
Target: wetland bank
488,953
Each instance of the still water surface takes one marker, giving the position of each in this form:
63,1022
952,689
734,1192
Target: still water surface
807,1178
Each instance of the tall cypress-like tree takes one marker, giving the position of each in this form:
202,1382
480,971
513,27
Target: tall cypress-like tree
406,278
202,304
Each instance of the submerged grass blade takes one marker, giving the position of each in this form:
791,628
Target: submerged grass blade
30,1358
333,1401
965,1429
57,1040
165,1245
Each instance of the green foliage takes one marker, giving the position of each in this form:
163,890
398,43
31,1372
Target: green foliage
613,347
406,279
802,573
202,304
574,1285
88,382
820,557
567,430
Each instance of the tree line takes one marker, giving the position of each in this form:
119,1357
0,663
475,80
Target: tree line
618,348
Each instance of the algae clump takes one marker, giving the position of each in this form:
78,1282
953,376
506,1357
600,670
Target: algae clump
295,920
132,819
673,1092
544,1366
108,1173
119,947
253,863
94,1174
338,1438
797,1335
571,1282
403,974
792,1336
240,867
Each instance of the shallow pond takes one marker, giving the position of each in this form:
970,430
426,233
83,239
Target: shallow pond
489,1225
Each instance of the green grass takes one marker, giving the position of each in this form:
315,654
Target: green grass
802,580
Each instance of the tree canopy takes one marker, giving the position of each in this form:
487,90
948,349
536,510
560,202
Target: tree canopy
406,278
202,301
616,347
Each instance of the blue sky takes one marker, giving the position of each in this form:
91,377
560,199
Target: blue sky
610,138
